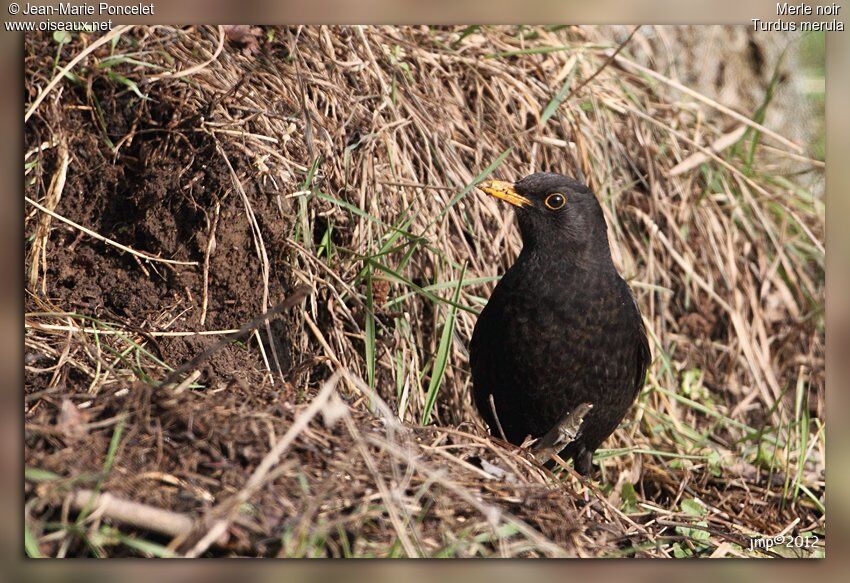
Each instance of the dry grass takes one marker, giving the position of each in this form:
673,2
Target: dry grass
345,159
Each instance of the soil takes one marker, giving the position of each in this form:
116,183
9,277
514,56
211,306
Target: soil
158,195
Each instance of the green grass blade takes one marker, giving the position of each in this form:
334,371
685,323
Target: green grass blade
440,286
531,51
443,352
31,544
484,174
120,59
559,97
471,29
801,413
107,467
147,547
396,277
129,83
363,214
370,330
39,475
303,225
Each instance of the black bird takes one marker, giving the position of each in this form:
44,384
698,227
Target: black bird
562,330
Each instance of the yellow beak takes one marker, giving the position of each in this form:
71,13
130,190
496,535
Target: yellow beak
505,191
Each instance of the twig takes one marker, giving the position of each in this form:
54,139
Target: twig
226,509
401,528
492,513
496,416
206,270
300,293
155,334
38,256
133,513
604,65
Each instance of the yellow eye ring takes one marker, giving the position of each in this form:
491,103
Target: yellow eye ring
555,201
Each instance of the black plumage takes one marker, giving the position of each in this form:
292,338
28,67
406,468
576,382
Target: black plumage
561,328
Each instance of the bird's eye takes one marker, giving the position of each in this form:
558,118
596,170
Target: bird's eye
555,201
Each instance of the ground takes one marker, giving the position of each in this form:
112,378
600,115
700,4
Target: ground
181,182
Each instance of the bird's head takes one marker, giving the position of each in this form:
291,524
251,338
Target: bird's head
556,213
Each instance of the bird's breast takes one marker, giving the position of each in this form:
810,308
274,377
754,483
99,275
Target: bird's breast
559,324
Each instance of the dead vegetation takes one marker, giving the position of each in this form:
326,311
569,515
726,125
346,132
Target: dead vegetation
181,182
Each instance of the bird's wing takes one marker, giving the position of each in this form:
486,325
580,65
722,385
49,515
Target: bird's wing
643,356
482,331
481,376
478,335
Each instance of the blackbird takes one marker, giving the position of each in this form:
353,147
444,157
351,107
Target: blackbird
562,331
